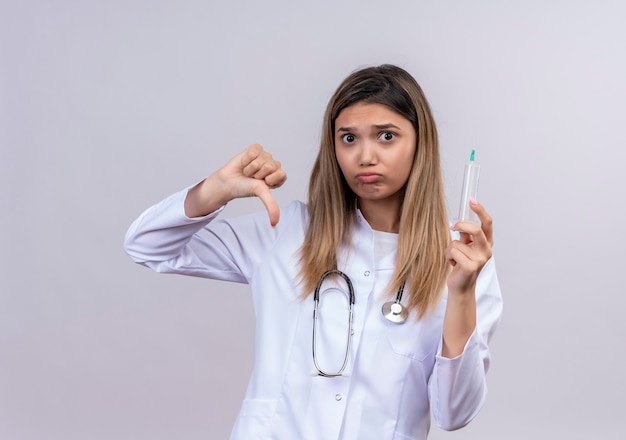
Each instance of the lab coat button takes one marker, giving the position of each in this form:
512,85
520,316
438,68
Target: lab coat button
337,397
367,273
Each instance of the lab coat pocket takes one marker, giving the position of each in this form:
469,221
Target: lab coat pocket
415,340
255,419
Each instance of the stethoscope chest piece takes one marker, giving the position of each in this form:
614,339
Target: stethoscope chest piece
395,312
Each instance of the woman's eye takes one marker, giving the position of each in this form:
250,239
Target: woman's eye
386,136
348,138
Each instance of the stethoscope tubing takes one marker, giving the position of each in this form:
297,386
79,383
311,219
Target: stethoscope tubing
316,300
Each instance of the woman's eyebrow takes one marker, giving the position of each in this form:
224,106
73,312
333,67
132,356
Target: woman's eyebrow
376,126
386,126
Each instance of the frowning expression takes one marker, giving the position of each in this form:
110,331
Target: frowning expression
375,148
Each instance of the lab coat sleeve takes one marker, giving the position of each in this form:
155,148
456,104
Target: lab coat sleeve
457,387
164,239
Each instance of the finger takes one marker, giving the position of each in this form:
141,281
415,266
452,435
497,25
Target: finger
465,259
477,249
249,159
457,251
264,167
273,211
449,257
486,221
467,229
471,233
459,261
276,179
465,238
258,163
462,276
472,252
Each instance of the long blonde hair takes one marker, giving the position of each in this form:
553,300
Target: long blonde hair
423,234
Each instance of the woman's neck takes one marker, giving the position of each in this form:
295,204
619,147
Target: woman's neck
382,215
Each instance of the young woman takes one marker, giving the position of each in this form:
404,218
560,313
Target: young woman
403,313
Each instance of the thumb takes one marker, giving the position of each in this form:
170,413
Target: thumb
263,193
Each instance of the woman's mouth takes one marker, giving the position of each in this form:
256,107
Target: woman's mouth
368,177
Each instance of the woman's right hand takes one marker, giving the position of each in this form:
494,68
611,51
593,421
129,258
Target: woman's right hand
253,172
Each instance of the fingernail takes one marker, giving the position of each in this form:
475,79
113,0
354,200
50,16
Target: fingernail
473,202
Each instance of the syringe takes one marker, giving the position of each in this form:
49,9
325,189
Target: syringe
470,191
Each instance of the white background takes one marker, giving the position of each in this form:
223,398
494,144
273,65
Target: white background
108,106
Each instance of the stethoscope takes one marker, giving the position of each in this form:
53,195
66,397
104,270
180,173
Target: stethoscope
393,311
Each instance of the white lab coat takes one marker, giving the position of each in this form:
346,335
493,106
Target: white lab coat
396,376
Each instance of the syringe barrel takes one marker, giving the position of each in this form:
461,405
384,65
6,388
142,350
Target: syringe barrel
470,191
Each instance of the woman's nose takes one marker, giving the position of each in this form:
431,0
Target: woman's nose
367,154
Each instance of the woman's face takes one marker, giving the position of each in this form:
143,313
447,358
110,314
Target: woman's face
375,148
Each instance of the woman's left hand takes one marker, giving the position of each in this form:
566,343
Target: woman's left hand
469,254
